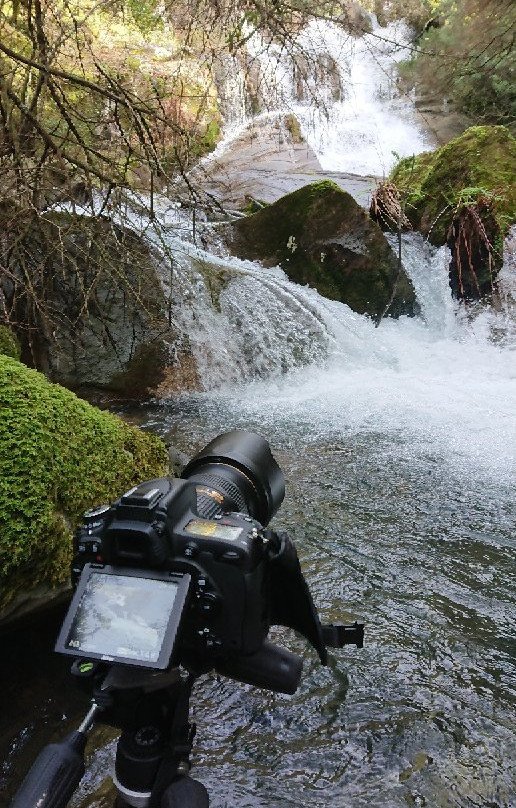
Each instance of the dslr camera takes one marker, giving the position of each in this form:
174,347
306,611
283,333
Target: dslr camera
176,578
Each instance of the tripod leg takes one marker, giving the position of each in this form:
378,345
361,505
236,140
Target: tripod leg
185,793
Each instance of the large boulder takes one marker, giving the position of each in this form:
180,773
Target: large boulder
90,307
464,195
59,456
321,237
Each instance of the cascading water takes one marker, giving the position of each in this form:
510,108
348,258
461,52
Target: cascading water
362,128
343,91
438,377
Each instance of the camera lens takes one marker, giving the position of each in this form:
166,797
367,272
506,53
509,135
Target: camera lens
241,467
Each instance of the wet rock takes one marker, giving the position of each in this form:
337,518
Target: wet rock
321,237
97,304
267,161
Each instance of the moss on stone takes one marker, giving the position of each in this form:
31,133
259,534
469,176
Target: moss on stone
479,163
322,237
9,345
59,457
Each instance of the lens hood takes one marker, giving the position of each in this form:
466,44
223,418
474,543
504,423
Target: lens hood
263,482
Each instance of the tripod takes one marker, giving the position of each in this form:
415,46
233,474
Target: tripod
151,708
153,752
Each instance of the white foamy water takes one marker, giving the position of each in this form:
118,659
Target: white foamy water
363,131
281,353
343,91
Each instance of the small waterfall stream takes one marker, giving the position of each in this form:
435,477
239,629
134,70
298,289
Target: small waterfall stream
440,377
342,89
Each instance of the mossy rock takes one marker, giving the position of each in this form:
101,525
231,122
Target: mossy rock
479,163
9,345
321,237
59,457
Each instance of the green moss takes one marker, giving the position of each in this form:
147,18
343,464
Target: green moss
433,184
216,278
319,205
9,345
294,127
253,205
320,236
59,457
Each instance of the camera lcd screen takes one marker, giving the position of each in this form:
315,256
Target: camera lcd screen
129,616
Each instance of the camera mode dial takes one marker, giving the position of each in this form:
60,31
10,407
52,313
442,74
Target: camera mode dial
95,516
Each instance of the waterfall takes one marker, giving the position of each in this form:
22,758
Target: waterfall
282,353
341,88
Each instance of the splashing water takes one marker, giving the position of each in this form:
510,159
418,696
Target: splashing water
343,91
447,379
283,354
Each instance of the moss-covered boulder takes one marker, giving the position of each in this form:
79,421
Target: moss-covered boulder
9,345
58,457
321,237
481,162
464,195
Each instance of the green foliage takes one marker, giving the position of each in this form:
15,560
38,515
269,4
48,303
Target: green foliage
59,456
414,12
146,15
469,58
9,345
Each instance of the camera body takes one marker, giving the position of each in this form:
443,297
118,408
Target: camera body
181,526
178,572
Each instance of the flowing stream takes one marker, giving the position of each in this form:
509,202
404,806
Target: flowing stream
398,444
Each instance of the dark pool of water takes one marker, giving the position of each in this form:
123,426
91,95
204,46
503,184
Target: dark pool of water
38,702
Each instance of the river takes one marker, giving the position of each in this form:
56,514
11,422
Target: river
398,445
400,467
